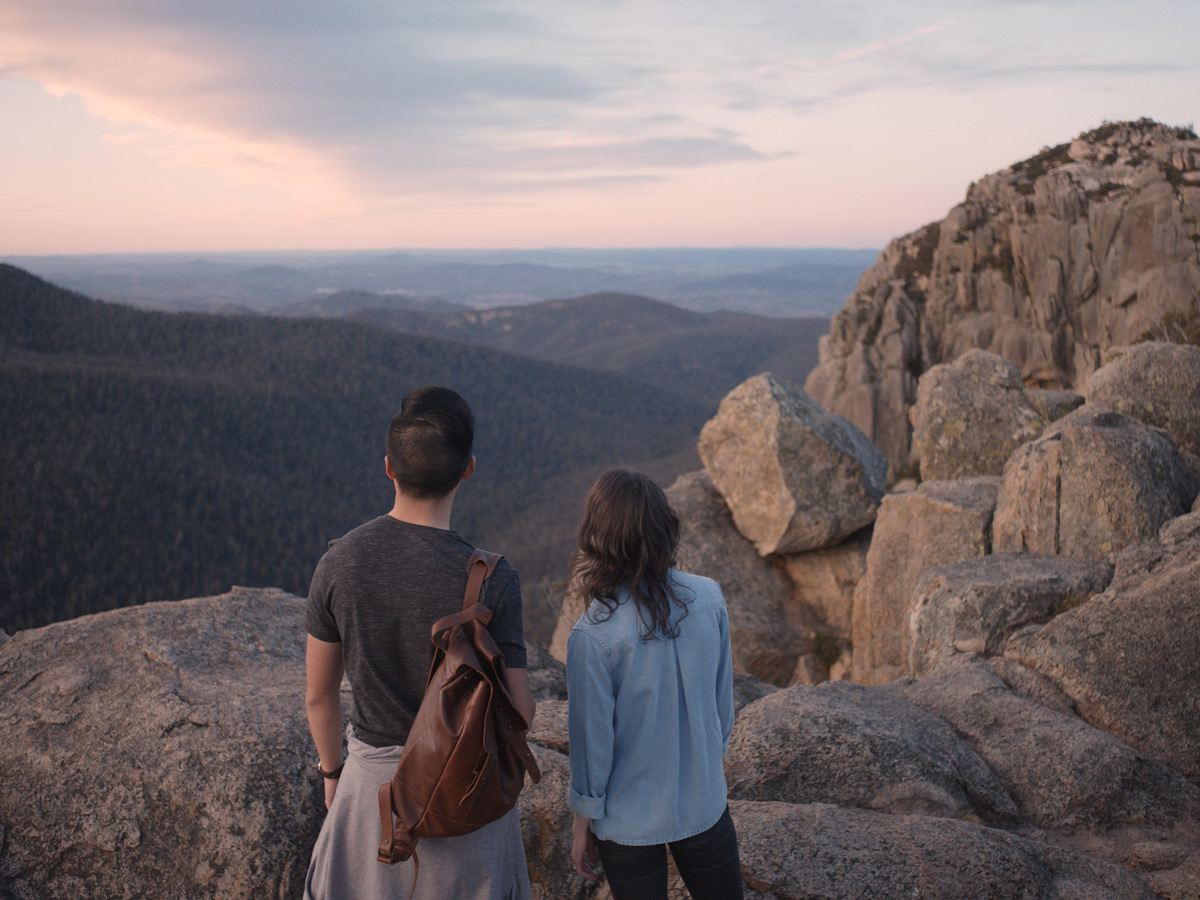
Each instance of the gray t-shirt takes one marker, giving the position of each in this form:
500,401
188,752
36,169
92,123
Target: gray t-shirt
378,590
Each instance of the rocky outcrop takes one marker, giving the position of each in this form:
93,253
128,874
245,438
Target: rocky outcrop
1127,658
1094,483
1047,263
974,606
941,522
795,477
853,746
970,415
1157,383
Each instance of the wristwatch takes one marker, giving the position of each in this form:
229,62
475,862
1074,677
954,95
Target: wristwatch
334,774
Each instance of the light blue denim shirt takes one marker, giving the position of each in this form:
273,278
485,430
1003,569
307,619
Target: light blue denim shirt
650,720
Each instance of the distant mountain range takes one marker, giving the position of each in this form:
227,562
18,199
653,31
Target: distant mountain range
766,281
153,455
699,356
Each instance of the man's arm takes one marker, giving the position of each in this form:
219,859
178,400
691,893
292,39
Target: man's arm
518,684
323,663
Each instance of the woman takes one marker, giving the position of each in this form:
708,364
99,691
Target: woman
650,686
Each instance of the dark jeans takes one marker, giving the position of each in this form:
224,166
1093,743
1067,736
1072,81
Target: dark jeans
708,863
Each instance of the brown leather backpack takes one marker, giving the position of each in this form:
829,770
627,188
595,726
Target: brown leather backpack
465,759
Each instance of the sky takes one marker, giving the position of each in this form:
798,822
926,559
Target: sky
227,125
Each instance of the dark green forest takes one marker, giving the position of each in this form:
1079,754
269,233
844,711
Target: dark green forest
156,456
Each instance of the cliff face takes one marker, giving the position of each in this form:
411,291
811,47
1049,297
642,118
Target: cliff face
1048,263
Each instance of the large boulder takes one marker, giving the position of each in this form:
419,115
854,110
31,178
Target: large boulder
831,854
571,606
857,746
146,749
1048,263
970,415
546,831
1094,483
1065,774
941,522
795,476
774,630
765,642
973,606
1128,657
1155,382
824,580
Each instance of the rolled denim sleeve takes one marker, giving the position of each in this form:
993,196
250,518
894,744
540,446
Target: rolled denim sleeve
590,725
725,683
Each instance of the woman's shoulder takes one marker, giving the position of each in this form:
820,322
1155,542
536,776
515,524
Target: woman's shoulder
701,588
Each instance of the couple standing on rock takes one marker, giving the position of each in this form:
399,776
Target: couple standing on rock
649,674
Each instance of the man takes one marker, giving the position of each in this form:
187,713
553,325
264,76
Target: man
375,594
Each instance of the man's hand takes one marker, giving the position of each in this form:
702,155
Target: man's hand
583,848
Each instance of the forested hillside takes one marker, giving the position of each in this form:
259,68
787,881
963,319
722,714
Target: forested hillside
698,356
153,456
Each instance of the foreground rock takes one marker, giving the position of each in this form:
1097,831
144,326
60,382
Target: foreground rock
941,522
1128,657
795,477
973,606
1047,263
162,750
970,415
1155,382
1065,774
546,831
1094,483
855,746
833,854
160,742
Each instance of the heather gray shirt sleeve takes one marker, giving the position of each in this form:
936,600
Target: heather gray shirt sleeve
502,595
318,612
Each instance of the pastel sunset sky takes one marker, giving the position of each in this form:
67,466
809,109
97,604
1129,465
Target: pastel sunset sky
206,125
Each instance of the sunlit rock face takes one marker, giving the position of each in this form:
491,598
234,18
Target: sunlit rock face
1048,263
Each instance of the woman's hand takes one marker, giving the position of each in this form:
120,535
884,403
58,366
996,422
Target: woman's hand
583,848
330,789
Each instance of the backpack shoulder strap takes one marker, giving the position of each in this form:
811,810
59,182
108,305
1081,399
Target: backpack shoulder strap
479,568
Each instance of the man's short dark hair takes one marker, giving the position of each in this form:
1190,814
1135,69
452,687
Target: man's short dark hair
429,442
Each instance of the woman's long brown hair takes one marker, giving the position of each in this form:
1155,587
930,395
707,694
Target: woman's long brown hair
627,542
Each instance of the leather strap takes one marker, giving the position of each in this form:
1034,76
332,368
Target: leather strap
445,623
527,757
385,820
477,574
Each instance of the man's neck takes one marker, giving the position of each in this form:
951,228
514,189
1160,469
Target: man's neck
416,511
